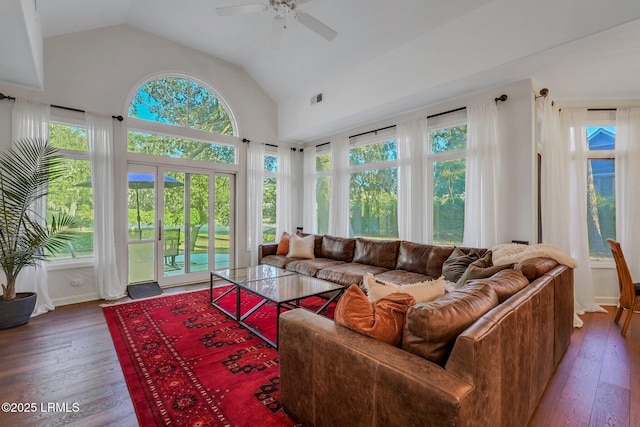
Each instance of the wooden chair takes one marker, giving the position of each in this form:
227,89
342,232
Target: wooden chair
629,291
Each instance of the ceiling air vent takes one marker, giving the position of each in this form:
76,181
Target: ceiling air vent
316,98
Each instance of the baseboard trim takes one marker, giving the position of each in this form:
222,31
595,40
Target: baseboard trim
75,299
607,301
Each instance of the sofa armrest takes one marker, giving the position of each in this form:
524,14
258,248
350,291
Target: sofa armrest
329,373
266,249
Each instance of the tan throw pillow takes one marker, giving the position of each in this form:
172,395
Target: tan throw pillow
454,267
421,291
382,320
301,247
481,269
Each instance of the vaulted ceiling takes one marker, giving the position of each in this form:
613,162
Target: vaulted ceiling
398,53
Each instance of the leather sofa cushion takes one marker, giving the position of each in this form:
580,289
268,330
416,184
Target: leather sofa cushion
382,319
422,259
338,248
431,328
348,273
280,261
381,253
402,277
535,267
505,283
310,267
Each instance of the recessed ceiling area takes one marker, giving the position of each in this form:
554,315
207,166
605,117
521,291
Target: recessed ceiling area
398,54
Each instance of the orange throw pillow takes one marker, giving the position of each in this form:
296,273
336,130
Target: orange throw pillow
382,319
283,244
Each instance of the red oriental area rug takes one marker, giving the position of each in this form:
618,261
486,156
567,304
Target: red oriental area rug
187,364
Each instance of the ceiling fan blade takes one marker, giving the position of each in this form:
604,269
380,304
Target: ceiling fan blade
315,25
245,8
277,27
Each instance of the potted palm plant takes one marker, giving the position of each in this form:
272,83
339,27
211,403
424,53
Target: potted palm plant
26,237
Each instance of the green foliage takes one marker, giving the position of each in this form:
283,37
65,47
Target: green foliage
25,237
449,139
180,148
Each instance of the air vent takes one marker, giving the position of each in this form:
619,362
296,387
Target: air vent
316,98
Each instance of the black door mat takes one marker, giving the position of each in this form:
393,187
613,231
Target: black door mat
143,290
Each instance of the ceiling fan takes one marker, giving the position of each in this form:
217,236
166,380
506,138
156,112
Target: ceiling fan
283,9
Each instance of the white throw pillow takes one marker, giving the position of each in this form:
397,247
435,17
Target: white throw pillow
301,247
422,291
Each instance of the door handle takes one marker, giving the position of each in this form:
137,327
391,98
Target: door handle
159,229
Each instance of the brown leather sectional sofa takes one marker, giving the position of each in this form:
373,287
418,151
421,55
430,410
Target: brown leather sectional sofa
494,372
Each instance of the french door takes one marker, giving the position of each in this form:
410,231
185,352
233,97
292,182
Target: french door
180,223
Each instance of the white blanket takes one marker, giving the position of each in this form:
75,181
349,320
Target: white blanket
510,253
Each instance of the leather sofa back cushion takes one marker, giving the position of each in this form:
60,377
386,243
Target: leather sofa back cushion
380,253
535,267
431,328
505,283
382,319
423,259
338,248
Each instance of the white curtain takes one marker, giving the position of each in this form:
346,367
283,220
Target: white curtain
255,185
564,195
411,137
31,120
100,139
627,167
309,208
340,184
284,219
481,213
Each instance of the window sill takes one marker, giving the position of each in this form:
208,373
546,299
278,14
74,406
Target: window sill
604,264
70,264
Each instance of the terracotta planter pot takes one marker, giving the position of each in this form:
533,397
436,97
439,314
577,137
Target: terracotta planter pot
18,311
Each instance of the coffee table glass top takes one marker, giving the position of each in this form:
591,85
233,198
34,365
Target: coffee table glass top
290,288
250,274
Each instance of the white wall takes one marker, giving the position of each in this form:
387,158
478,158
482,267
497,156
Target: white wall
98,71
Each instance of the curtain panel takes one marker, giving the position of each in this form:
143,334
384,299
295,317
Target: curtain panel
627,167
284,202
309,202
340,184
255,187
100,139
412,141
31,120
481,212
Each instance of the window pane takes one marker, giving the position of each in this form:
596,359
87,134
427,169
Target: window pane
372,153
270,163
72,195
601,206
374,203
323,191
68,137
323,163
181,102
179,148
448,201
269,211
601,138
448,139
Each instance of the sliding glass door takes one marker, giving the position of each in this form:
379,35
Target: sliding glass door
180,223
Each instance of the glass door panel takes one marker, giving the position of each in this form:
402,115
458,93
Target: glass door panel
173,225
141,218
223,236
199,213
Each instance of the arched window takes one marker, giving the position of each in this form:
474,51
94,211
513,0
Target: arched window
177,117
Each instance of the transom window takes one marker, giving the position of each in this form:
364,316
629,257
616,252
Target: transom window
179,118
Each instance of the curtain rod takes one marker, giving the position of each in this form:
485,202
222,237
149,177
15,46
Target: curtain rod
11,98
372,131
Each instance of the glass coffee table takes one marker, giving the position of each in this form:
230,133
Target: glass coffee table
284,288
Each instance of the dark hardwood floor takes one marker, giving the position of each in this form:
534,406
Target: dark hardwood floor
67,357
